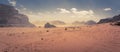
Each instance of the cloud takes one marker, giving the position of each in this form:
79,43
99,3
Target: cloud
23,8
74,10
62,14
107,9
12,2
62,10
118,10
83,12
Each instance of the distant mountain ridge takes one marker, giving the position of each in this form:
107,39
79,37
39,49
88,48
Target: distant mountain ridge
57,22
90,22
10,17
113,19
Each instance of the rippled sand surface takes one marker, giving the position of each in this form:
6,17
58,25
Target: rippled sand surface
96,38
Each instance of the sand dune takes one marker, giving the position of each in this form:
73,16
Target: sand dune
96,38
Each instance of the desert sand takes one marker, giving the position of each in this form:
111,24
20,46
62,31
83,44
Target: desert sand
95,38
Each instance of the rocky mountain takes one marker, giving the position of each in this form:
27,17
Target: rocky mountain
78,23
90,22
48,25
107,20
10,17
57,22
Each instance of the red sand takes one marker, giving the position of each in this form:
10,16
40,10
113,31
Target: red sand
97,38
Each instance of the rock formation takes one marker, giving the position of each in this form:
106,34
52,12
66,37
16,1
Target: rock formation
107,20
10,17
48,25
116,23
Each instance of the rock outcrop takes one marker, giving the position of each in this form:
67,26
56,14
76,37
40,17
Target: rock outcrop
116,23
48,25
10,17
107,20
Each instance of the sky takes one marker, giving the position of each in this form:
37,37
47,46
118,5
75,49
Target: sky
65,10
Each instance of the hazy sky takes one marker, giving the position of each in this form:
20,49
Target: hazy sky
66,10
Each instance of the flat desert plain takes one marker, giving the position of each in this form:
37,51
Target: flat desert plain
95,38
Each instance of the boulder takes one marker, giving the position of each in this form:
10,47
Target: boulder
115,23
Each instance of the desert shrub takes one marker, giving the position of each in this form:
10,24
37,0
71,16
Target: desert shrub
5,51
39,26
65,28
47,30
23,32
42,39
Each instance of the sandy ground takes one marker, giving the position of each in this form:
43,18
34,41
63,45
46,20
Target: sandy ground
97,38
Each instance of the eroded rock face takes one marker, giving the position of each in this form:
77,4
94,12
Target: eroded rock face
48,25
107,20
10,17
